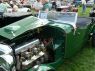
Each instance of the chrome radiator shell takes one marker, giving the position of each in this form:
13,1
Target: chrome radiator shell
6,61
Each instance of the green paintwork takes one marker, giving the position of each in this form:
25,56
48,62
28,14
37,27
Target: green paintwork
65,26
59,32
79,38
15,29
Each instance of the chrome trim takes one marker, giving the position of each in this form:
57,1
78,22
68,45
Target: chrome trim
26,46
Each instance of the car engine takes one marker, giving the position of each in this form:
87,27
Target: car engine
23,56
30,54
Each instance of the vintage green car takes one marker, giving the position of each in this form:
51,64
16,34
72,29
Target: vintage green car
34,44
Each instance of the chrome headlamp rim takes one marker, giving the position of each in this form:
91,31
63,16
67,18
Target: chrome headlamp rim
5,49
6,62
7,59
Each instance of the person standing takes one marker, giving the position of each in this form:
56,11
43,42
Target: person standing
3,8
46,5
38,5
6,2
58,3
15,7
54,6
83,6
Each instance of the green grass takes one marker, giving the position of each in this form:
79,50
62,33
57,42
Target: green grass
84,60
86,13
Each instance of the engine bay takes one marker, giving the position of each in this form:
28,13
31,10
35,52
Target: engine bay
30,49
34,47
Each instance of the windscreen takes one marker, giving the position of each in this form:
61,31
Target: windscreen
63,17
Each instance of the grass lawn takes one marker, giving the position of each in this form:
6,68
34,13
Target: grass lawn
84,60
86,13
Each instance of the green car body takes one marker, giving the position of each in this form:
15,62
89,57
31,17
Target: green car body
64,39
